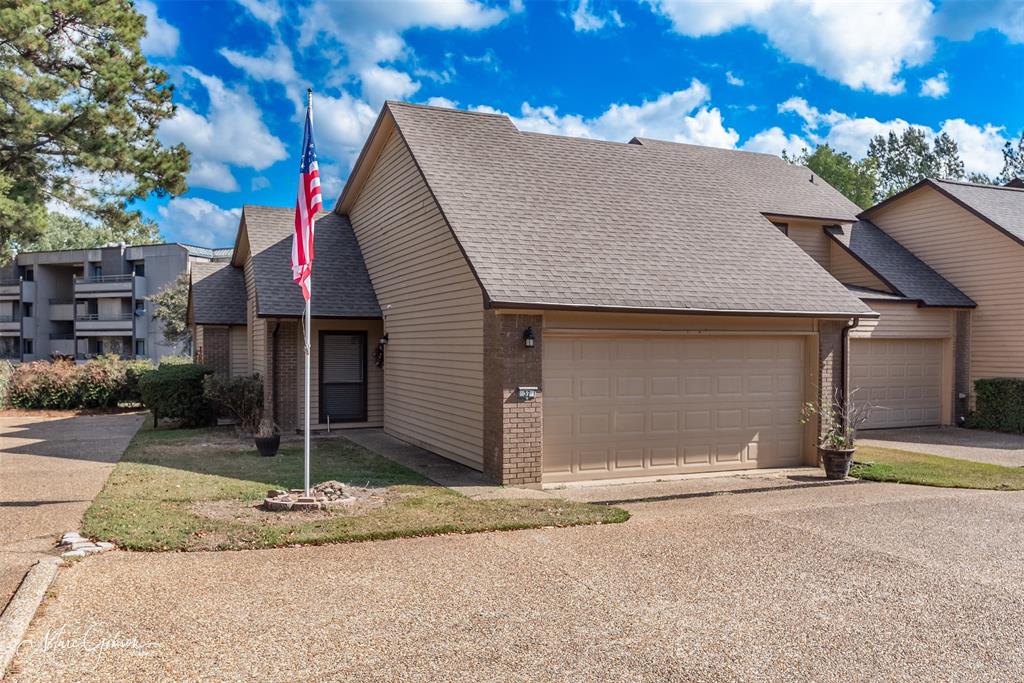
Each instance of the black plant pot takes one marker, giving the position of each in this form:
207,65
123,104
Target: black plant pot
836,461
268,445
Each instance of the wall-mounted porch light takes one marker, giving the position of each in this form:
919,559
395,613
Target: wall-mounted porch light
528,339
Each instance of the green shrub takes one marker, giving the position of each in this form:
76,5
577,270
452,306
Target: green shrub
241,397
6,375
999,405
46,385
175,391
133,372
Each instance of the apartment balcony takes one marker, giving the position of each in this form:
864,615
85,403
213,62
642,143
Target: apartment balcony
104,326
104,286
10,326
64,344
62,309
10,290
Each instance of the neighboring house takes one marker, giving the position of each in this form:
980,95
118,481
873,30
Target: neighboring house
87,302
973,236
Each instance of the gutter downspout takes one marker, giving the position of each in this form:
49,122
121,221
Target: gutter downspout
845,362
273,379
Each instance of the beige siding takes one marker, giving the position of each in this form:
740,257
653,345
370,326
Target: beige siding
257,327
811,237
433,375
374,376
849,270
576,320
239,350
197,342
905,320
985,264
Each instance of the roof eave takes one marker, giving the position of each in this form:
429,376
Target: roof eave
683,311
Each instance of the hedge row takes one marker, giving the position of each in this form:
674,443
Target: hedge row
175,391
64,385
999,405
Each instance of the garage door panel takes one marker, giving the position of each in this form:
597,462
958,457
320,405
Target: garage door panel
679,405
902,379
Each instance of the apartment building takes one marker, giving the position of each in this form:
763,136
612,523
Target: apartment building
87,302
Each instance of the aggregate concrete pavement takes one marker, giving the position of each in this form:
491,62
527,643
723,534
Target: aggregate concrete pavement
51,467
952,442
854,582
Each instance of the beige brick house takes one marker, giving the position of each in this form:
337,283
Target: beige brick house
549,309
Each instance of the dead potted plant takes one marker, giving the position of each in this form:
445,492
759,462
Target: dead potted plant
840,420
268,439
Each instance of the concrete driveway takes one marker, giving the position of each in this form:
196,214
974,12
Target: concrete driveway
50,470
859,581
953,442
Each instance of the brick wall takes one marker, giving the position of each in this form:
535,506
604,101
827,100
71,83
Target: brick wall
962,366
513,429
283,358
831,372
215,352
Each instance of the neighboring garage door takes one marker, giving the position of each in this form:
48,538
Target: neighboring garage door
901,378
640,406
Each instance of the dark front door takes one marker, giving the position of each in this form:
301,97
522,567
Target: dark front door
342,376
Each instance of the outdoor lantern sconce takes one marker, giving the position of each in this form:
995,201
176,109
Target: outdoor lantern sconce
384,340
528,339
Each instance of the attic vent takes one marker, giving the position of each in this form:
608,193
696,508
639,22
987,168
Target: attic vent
812,177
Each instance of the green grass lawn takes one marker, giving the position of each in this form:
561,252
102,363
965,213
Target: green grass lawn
197,489
904,467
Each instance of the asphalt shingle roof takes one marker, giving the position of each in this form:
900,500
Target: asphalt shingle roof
341,285
896,266
218,294
1002,205
549,220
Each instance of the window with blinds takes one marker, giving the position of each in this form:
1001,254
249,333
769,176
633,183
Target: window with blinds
343,376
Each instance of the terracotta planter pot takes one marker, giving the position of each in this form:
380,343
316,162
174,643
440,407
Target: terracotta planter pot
268,445
836,461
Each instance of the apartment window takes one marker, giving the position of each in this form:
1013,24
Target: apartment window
26,310
140,307
99,347
140,269
140,347
26,346
97,271
30,274
783,227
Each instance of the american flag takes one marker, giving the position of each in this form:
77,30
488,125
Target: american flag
307,204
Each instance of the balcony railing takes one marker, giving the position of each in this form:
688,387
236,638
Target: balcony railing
61,302
62,336
10,282
8,318
103,278
104,318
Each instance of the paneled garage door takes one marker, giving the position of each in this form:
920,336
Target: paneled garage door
640,406
902,378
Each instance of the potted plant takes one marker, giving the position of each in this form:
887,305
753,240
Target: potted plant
841,419
268,439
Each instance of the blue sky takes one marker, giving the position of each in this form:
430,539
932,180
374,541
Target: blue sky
764,75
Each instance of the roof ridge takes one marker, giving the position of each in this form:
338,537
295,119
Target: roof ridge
720,149
986,186
455,110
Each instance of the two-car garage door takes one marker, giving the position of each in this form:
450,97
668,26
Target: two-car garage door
623,406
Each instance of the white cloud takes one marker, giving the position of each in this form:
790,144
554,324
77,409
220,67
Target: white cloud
442,102
381,83
161,39
259,183
516,6
980,145
937,86
231,133
680,116
775,141
733,79
585,20
342,125
864,45
199,222
962,20
267,11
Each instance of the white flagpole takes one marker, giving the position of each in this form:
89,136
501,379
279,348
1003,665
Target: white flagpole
306,323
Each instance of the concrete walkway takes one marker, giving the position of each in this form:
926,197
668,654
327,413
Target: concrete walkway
858,582
952,442
50,470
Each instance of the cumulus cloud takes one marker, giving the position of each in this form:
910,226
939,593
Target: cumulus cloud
775,141
161,39
935,87
733,79
383,83
198,221
231,133
980,145
342,125
864,45
680,116
442,102
583,19
267,11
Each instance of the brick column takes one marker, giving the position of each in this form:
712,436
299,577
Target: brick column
280,386
513,429
216,350
831,370
962,367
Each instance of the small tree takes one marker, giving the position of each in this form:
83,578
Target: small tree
840,417
855,179
172,309
1013,160
905,158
